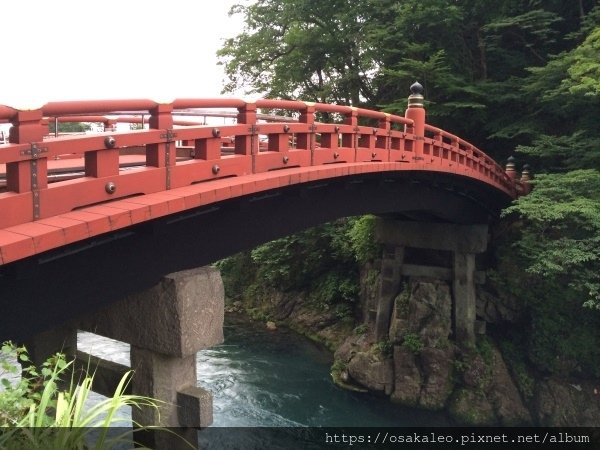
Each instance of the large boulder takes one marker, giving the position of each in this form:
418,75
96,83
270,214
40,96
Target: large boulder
559,403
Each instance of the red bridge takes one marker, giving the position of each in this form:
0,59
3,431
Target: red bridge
88,218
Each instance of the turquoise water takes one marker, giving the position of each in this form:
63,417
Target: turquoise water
277,378
268,379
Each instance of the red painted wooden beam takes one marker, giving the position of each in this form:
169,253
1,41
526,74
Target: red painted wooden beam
38,214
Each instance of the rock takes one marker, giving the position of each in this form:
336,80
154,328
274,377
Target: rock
437,364
488,383
429,310
471,407
495,310
504,395
372,372
423,366
474,375
566,403
407,377
271,325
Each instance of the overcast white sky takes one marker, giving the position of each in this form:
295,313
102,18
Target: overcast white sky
52,50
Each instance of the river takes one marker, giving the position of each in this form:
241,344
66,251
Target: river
262,378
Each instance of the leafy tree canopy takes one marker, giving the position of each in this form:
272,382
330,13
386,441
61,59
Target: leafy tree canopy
508,75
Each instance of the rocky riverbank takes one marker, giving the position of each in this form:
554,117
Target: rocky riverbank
420,365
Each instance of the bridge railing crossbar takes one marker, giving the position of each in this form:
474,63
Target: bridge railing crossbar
443,146
255,146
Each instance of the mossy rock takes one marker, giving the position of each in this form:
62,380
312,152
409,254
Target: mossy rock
471,407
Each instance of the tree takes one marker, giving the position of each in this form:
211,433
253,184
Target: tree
471,56
69,127
560,236
506,75
305,49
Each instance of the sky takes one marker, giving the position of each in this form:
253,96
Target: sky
53,50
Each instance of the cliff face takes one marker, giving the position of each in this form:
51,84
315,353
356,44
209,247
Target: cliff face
420,366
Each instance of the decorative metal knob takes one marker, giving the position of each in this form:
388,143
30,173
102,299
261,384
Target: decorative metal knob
110,142
525,175
216,169
286,128
510,163
416,88
216,132
110,187
415,99
286,159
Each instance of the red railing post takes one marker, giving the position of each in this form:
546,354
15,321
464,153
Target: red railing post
208,148
160,154
305,141
247,144
349,139
30,175
416,112
279,142
384,138
163,154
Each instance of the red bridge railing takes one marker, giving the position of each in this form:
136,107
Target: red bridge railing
174,152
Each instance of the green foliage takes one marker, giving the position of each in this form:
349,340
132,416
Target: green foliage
361,329
560,238
472,57
548,259
69,127
562,339
334,287
384,348
584,73
338,368
238,273
361,236
40,415
413,342
321,261
300,48
516,355
506,75
484,348
403,300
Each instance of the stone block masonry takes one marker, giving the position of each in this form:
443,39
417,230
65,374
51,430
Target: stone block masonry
165,326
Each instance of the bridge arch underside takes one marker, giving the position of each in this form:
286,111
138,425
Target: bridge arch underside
51,288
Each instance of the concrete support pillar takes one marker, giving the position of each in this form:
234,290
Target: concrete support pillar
463,289
391,263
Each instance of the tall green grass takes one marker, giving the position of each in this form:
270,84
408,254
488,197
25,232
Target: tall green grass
36,414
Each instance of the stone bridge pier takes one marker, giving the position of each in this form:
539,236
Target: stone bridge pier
440,251
165,326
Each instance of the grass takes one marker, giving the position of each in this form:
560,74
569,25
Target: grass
37,414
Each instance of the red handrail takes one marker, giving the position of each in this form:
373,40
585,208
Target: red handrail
30,161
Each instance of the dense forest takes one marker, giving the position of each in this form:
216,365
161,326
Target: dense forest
514,77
